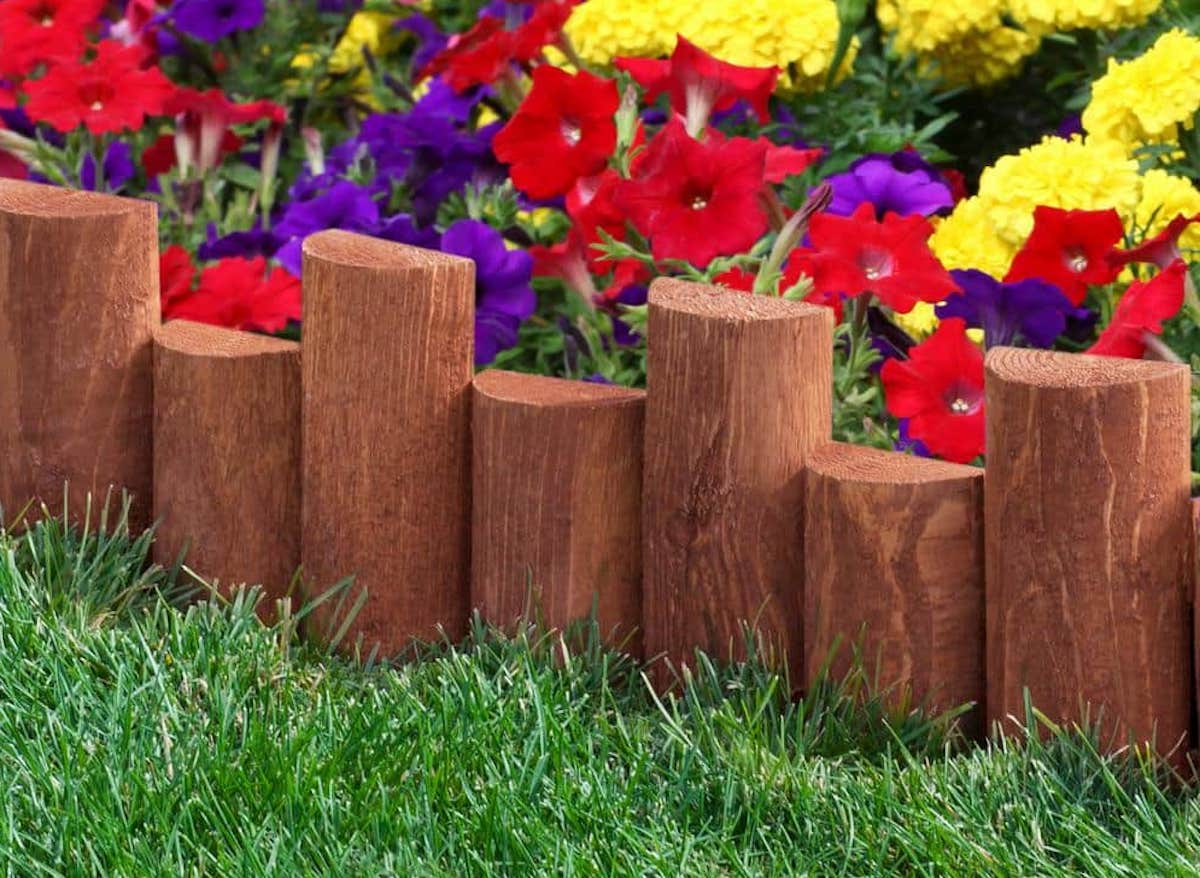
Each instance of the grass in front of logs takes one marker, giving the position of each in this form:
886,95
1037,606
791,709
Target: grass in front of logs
136,739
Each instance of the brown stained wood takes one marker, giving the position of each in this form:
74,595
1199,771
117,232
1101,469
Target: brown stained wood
1089,543
893,552
739,394
227,455
387,370
78,306
556,526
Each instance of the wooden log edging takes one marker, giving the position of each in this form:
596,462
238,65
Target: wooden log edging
1090,543
557,491
893,548
739,393
79,302
227,455
387,367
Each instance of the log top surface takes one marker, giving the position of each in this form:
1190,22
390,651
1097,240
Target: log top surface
1058,369
363,251
856,463
203,340
40,200
540,391
719,303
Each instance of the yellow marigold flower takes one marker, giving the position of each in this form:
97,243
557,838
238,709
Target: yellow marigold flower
1071,174
1144,100
369,30
1044,16
1165,197
918,322
967,239
605,29
982,57
925,26
798,36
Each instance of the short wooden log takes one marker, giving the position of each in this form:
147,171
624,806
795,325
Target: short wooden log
739,394
78,307
387,367
227,455
893,549
556,523
1089,544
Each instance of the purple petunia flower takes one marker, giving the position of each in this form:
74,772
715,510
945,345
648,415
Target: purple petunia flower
344,205
503,296
889,340
252,242
901,183
905,442
210,20
401,229
1032,310
117,168
430,39
634,294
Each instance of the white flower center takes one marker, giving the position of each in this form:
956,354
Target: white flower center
699,202
960,406
97,105
571,133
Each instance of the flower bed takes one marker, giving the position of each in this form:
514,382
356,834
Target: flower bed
945,179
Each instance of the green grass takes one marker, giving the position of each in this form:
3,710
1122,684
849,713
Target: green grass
138,739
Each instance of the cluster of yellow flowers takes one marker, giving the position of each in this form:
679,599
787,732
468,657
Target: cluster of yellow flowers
798,36
963,43
1045,16
1146,99
985,41
986,231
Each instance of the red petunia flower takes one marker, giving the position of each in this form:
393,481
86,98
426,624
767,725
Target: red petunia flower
107,94
939,388
42,31
699,84
1142,310
481,55
696,200
1161,250
239,294
860,254
202,120
563,130
176,274
1070,249
568,262
590,205
784,161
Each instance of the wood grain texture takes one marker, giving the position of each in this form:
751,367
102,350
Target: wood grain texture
556,522
739,394
78,307
387,370
1090,542
893,550
227,455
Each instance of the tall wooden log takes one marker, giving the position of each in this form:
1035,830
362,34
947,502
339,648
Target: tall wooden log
1089,543
78,306
893,549
227,455
387,371
556,527
739,394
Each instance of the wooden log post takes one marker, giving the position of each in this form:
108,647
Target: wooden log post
893,549
1089,544
227,455
78,307
557,492
387,367
739,394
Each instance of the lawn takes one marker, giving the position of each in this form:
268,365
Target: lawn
137,738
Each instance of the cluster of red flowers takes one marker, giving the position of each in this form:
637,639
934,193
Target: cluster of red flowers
50,53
